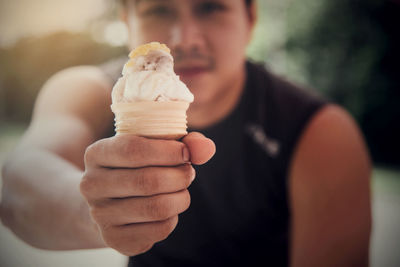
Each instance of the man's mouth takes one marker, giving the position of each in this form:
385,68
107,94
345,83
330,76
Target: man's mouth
191,71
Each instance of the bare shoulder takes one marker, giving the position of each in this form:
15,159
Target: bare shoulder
82,93
71,112
332,140
329,185
75,89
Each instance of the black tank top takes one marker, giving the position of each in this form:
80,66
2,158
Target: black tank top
239,214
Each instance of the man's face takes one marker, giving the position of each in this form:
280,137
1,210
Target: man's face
207,39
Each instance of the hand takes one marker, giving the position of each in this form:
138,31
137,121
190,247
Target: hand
136,187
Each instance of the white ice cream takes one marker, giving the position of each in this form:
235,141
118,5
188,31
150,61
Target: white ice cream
150,78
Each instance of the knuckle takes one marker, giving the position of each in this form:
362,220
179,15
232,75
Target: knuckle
105,225
153,180
89,153
98,215
144,248
148,181
95,214
140,182
131,147
129,243
111,239
91,183
86,185
166,227
163,207
126,247
160,208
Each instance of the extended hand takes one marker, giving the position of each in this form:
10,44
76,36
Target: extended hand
136,187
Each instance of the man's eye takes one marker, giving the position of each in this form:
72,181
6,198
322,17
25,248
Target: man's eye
210,7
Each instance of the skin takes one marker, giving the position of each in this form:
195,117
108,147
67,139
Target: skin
198,33
126,192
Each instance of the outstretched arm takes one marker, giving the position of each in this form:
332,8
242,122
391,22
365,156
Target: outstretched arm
133,188
41,202
330,194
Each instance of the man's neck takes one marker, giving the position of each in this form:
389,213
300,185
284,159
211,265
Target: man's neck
202,116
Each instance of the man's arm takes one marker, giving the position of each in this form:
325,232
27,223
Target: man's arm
66,188
41,202
330,194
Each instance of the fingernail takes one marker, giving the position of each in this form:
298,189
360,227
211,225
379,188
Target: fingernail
185,154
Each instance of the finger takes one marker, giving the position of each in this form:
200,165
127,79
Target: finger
122,183
133,239
201,149
140,209
129,151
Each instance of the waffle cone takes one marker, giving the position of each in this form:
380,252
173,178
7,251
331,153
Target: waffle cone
152,119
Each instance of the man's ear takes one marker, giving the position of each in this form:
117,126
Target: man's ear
252,13
252,18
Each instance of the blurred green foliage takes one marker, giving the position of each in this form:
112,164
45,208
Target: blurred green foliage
346,49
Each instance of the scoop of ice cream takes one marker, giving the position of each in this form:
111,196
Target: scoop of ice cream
149,76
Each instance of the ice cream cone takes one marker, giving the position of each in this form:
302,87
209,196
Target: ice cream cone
149,99
152,119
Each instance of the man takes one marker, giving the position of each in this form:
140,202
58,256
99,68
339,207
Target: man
289,184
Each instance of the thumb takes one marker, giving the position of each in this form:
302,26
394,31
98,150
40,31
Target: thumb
201,148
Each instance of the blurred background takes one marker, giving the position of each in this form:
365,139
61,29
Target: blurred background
349,50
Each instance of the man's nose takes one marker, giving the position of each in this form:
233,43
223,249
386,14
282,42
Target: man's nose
187,35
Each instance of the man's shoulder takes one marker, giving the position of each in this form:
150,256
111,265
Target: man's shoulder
84,73
278,85
74,83
81,92
280,96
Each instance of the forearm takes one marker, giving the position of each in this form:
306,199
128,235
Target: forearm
41,202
